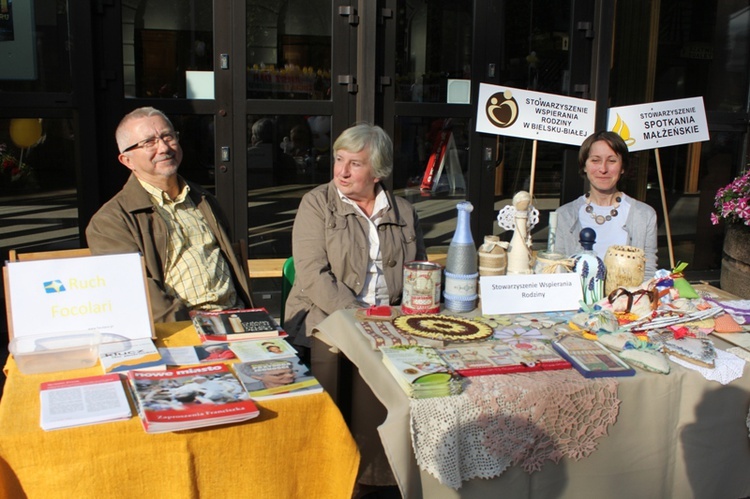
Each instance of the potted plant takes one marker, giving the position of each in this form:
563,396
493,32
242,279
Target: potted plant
732,207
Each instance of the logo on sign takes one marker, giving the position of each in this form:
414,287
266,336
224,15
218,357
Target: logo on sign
502,109
55,286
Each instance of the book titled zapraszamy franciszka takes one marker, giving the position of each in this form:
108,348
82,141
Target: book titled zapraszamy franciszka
233,325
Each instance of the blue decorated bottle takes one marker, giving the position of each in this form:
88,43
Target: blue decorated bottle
461,272
590,268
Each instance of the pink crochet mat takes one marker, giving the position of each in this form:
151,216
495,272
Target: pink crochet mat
511,419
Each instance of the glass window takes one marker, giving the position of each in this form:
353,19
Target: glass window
289,49
35,46
433,46
162,41
430,168
38,196
287,155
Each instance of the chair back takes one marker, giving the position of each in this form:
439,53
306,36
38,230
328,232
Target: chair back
14,256
287,280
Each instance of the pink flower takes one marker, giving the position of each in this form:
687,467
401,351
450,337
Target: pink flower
714,219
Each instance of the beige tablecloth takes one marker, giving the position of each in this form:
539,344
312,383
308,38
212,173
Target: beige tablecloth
676,435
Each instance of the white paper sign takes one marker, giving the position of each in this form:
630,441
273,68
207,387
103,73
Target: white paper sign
529,293
660,124
56,297
534,115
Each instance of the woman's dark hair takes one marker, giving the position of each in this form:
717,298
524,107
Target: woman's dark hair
613,140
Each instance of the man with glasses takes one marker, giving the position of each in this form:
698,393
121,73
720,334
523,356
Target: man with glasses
176,225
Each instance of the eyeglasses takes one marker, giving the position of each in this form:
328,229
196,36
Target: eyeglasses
169,138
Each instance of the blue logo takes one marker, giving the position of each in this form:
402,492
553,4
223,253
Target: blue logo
55,286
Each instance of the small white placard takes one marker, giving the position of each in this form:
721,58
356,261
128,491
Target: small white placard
200,84
660,124
529,293
534,115
55,297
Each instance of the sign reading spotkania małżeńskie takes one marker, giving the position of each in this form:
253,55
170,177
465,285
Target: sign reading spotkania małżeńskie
660,124
534,115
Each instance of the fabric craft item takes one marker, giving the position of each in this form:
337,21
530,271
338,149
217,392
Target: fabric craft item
681,284
383,334
524,421
650,360
725,323
728,367
595,318
739,309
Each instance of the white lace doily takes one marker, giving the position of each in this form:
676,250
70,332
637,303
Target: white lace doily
728,368
506,218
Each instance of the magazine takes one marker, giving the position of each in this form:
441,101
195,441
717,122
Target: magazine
271,379
233,325
266,349
192,397
496,357
420,371
82,401
127,355
201,354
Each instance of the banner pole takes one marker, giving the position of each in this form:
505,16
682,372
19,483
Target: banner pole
666,210
533,170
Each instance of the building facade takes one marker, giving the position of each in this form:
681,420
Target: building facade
259,89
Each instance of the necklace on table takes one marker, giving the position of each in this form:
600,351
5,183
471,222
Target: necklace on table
601,219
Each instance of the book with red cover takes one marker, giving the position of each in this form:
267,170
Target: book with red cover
497,357
233,325
191,397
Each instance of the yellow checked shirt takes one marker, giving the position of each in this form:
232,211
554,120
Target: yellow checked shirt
195,270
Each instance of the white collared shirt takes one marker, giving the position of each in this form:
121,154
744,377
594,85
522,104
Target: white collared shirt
375,290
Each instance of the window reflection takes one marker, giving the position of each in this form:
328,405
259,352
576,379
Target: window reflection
163,39
289,49
38,196
35,40
433,45
287,156
419,144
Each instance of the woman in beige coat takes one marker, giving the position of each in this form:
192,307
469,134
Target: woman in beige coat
350,241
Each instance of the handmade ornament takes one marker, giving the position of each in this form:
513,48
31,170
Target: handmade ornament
520,217
590,268
461,272
493,258
626,266
681,284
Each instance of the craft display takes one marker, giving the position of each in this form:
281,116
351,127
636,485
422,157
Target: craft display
493,258
442,327
626,266
461,273
421,292
520,217
590,268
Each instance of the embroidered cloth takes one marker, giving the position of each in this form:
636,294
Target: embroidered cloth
520,419
728,367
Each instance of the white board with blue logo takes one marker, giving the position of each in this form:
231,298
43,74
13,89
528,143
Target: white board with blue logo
105,293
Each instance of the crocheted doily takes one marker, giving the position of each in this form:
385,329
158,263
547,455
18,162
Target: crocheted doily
520,419
728,368
442,327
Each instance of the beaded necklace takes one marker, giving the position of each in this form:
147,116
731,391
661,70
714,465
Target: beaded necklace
601,219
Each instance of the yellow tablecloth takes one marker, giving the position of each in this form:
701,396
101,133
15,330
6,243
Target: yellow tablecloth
297,447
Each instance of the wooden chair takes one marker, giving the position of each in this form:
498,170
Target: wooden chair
14,256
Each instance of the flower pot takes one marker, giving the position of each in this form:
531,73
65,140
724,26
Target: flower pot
735,261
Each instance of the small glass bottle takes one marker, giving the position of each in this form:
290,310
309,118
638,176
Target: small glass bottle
461,272
590,268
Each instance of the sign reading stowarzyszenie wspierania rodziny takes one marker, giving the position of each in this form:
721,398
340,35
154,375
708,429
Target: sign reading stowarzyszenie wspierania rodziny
534,115
660,124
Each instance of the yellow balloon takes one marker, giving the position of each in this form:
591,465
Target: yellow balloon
25,132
